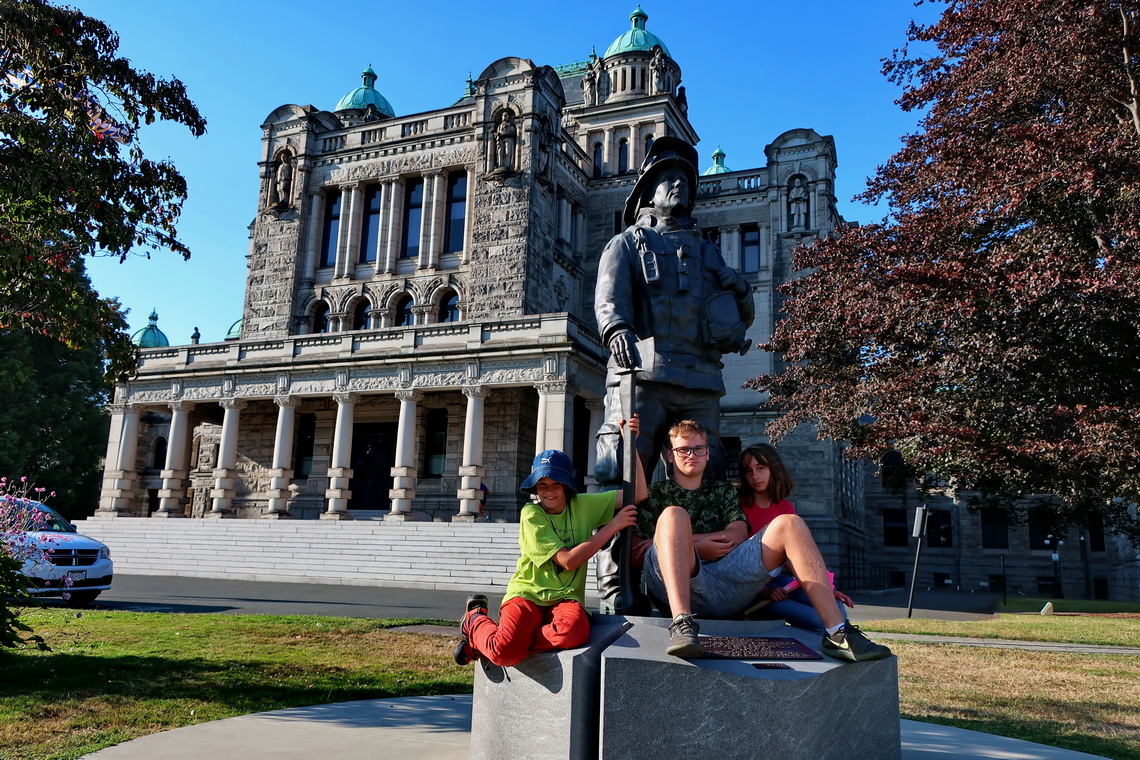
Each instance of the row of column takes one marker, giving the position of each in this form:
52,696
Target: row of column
553,430
635,135
390,229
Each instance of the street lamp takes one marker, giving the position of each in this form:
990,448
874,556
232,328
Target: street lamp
1056,542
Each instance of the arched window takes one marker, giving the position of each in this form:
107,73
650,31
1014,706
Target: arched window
159,460
597,159
360,316
623,156
321,317
403,316
449,307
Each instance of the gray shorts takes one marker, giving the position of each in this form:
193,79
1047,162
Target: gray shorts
720,588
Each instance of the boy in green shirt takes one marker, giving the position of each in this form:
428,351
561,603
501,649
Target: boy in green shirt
543,608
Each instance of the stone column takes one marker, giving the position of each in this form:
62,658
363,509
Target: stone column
553,428
348,237
472,471
119,474
730,245
597,409
177,462
340,473
608,151
226,473
421,315
564,232
470,214
435,190
282,471
403,491
389,224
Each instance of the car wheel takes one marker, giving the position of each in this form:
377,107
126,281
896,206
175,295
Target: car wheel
81,598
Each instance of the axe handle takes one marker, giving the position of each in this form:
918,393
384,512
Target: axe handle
629,496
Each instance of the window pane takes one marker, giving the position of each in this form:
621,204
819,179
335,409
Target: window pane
330,231
370,227
995,529
939,529
750,249
456,213
413,211
895,530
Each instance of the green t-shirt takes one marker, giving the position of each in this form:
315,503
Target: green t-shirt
711,507
541,535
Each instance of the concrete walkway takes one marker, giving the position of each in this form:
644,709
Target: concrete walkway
438,728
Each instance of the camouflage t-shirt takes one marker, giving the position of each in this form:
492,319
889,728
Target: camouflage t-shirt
711,507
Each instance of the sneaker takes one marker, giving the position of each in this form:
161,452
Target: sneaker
476,605
683,641
464,652
849,643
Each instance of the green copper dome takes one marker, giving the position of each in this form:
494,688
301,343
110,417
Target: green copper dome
637,38
366,95
718,166
150,336
234,332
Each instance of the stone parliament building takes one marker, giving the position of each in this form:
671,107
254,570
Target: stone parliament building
418,318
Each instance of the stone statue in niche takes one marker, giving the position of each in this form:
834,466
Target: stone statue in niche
283,181
590,87
798,205
542,146
660,75
682,101
506,139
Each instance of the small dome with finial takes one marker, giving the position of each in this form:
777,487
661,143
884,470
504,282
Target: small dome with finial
637,38
150,336
718,166
366,95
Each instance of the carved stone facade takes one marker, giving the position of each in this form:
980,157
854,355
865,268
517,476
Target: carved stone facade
418,316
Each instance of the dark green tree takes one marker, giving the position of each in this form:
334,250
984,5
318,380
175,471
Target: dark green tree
53,429
73,179
988,328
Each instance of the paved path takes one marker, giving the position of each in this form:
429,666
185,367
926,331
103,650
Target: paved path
438,728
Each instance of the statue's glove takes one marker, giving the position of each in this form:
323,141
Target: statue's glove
623,346
730,279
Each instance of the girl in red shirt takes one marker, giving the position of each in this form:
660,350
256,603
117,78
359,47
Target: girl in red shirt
764,488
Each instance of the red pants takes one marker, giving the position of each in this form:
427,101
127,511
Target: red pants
526,627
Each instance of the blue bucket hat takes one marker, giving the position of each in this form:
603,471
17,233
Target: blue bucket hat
551,464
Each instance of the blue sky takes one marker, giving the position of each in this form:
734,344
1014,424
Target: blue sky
751,70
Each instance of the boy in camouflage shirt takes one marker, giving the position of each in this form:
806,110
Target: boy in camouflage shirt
696,554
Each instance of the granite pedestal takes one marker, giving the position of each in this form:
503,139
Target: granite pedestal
655,705
544,708
621,696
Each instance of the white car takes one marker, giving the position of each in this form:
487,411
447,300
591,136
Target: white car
59,561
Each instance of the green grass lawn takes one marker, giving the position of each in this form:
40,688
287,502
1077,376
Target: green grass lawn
1068,629
114,676
1034,604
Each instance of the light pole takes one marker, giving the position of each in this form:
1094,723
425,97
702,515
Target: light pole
1056,542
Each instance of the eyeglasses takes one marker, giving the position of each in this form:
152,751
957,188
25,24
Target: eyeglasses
691,451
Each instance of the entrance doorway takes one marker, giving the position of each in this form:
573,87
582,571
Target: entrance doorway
373,456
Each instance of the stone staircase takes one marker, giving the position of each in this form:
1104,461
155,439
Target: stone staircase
446,556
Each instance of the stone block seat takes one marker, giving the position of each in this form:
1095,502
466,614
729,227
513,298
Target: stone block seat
621,696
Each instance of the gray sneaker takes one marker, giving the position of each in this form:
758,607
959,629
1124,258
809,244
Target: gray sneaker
683,641
849,643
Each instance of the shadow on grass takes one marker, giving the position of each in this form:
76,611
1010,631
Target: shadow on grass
231,687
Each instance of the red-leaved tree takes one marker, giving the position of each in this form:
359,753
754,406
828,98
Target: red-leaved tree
989,328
